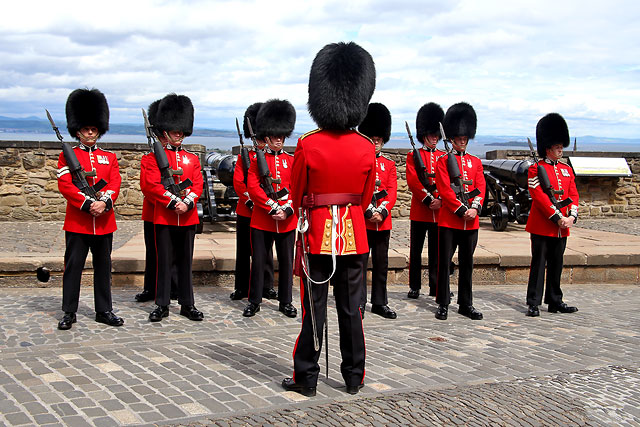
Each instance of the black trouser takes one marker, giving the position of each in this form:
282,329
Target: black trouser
174,245
347,290
261,243
243,257
379,247
466,241
418,231
150,266
545,250
75,255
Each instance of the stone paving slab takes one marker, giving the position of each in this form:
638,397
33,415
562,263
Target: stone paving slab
39,244
178,371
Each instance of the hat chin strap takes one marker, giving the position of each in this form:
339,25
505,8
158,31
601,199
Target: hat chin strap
173,141
86,140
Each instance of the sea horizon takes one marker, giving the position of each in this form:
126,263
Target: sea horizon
478,146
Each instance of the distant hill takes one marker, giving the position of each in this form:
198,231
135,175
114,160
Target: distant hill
37,125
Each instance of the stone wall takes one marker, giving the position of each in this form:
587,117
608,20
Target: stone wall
29,191
28,184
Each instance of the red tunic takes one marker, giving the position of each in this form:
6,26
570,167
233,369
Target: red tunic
241,188
419,210
543,216
147,204
387,176
77,219
280,164
470,168
153,189
328,162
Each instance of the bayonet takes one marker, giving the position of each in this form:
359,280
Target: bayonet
53,125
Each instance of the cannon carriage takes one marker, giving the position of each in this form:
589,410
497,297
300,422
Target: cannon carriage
507,196
219,199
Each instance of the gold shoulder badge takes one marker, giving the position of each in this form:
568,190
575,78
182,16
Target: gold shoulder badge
311,132
363,135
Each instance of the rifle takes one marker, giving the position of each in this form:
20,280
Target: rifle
543,178
266,181
421,170
455,177
244,155
78,174
374,199
166,173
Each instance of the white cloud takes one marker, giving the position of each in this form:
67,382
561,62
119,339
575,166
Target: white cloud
514,61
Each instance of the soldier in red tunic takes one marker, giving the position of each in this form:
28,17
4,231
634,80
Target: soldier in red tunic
273,218
175,216
149,288
377,126
89,223
458,222
244,210
549,222
334,175
425,204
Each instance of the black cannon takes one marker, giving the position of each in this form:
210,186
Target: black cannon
219,200
507,197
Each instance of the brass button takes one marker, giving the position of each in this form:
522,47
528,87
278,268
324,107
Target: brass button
328,234
326,242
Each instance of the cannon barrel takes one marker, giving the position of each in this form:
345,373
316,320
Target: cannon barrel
509,171
222,166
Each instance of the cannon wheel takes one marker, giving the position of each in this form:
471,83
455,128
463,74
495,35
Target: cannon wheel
499,216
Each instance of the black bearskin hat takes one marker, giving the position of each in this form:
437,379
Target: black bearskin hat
175,113
341,83
87,108
377,122
460,120
428,120
551,130
251,113
275,118
152,115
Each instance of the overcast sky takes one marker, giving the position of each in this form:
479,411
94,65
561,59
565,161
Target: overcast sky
514,61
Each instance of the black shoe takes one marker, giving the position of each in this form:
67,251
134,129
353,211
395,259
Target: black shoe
191,312
413,294
354,389
158,313
443,312
289,385
288,309
533,311
68,319
384,311
251,309
237,295
361,307
470,312
562,308
145,296
108,318
270,294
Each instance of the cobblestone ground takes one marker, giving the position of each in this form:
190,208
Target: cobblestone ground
582,368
